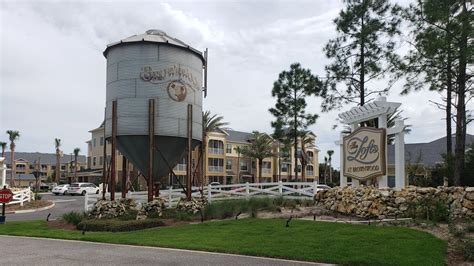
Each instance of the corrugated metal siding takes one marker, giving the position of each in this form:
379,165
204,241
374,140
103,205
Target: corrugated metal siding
124,65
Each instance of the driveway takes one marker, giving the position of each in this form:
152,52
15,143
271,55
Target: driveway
39,251
63,204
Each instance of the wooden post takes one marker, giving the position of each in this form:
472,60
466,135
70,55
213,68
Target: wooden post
124,177
104,167
151,146
189,168
113,151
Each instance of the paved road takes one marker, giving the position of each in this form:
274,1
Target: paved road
63,204
39,251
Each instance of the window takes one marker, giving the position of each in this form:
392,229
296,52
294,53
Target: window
228,180
215,165
228,148
94,142
299,168
181,166
244,166
218,179
266,167
216,147
284,167
309,170
94,161
228,165
101,160
310,156
101,141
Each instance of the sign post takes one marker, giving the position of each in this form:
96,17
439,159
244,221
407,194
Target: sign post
6,196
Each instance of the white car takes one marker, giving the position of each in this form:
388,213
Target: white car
60,190
82,189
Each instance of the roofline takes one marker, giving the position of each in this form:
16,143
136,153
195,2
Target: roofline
188,48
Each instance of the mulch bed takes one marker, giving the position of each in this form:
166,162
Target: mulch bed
61,224
34,204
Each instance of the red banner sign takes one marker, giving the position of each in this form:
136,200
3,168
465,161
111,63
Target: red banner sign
6,195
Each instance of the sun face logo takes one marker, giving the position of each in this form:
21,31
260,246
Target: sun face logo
177,91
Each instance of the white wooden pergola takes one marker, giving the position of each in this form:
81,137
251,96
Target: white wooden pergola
378,109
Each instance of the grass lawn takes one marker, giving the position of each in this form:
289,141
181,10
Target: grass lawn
303,240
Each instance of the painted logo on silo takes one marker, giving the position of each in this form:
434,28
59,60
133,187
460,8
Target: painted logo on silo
177,90
180,79
175,72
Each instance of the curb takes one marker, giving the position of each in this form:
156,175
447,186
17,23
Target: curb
171,249
31,210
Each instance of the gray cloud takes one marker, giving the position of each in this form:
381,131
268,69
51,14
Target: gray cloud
53,72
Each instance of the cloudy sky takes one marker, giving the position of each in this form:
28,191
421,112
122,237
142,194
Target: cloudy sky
53,71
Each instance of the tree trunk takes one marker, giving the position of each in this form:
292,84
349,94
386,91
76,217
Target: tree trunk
449,90
203,163
75,168
260,162
12,162
238,167
295,132
330,170
362,65
461,105
58,167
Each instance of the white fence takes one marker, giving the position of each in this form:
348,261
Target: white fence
223,192
22,196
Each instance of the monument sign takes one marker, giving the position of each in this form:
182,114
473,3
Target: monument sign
364,153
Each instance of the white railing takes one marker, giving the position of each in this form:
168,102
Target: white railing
223,192
22,196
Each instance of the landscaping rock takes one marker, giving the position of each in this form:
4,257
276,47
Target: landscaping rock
367,202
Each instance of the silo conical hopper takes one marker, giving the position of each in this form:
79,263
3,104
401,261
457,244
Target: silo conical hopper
156,66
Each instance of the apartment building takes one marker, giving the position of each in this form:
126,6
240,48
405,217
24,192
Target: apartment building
222,162
42,164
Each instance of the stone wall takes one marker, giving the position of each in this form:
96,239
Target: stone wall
370,202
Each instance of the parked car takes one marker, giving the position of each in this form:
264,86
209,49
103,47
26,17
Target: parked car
60,189
82,189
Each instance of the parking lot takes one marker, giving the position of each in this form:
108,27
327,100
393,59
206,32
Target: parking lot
62,203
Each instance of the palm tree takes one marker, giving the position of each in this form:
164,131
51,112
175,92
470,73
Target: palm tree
330,153
209,123
325,169
57,144
76,153
307,142
238,149
261,147
13,135
4,146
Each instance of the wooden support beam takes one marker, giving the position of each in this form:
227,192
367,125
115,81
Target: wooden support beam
189,171
113,151
151,146
124,177
104,167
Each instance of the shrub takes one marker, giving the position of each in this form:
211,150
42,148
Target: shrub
468,250
73,217
440,212
173,214
115,225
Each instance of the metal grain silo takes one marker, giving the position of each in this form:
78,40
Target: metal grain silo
156,66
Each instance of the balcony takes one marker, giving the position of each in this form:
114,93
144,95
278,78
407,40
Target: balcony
214,169
215,151
266,170
180,167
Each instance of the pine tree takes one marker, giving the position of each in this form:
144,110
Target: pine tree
291,89
363,51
